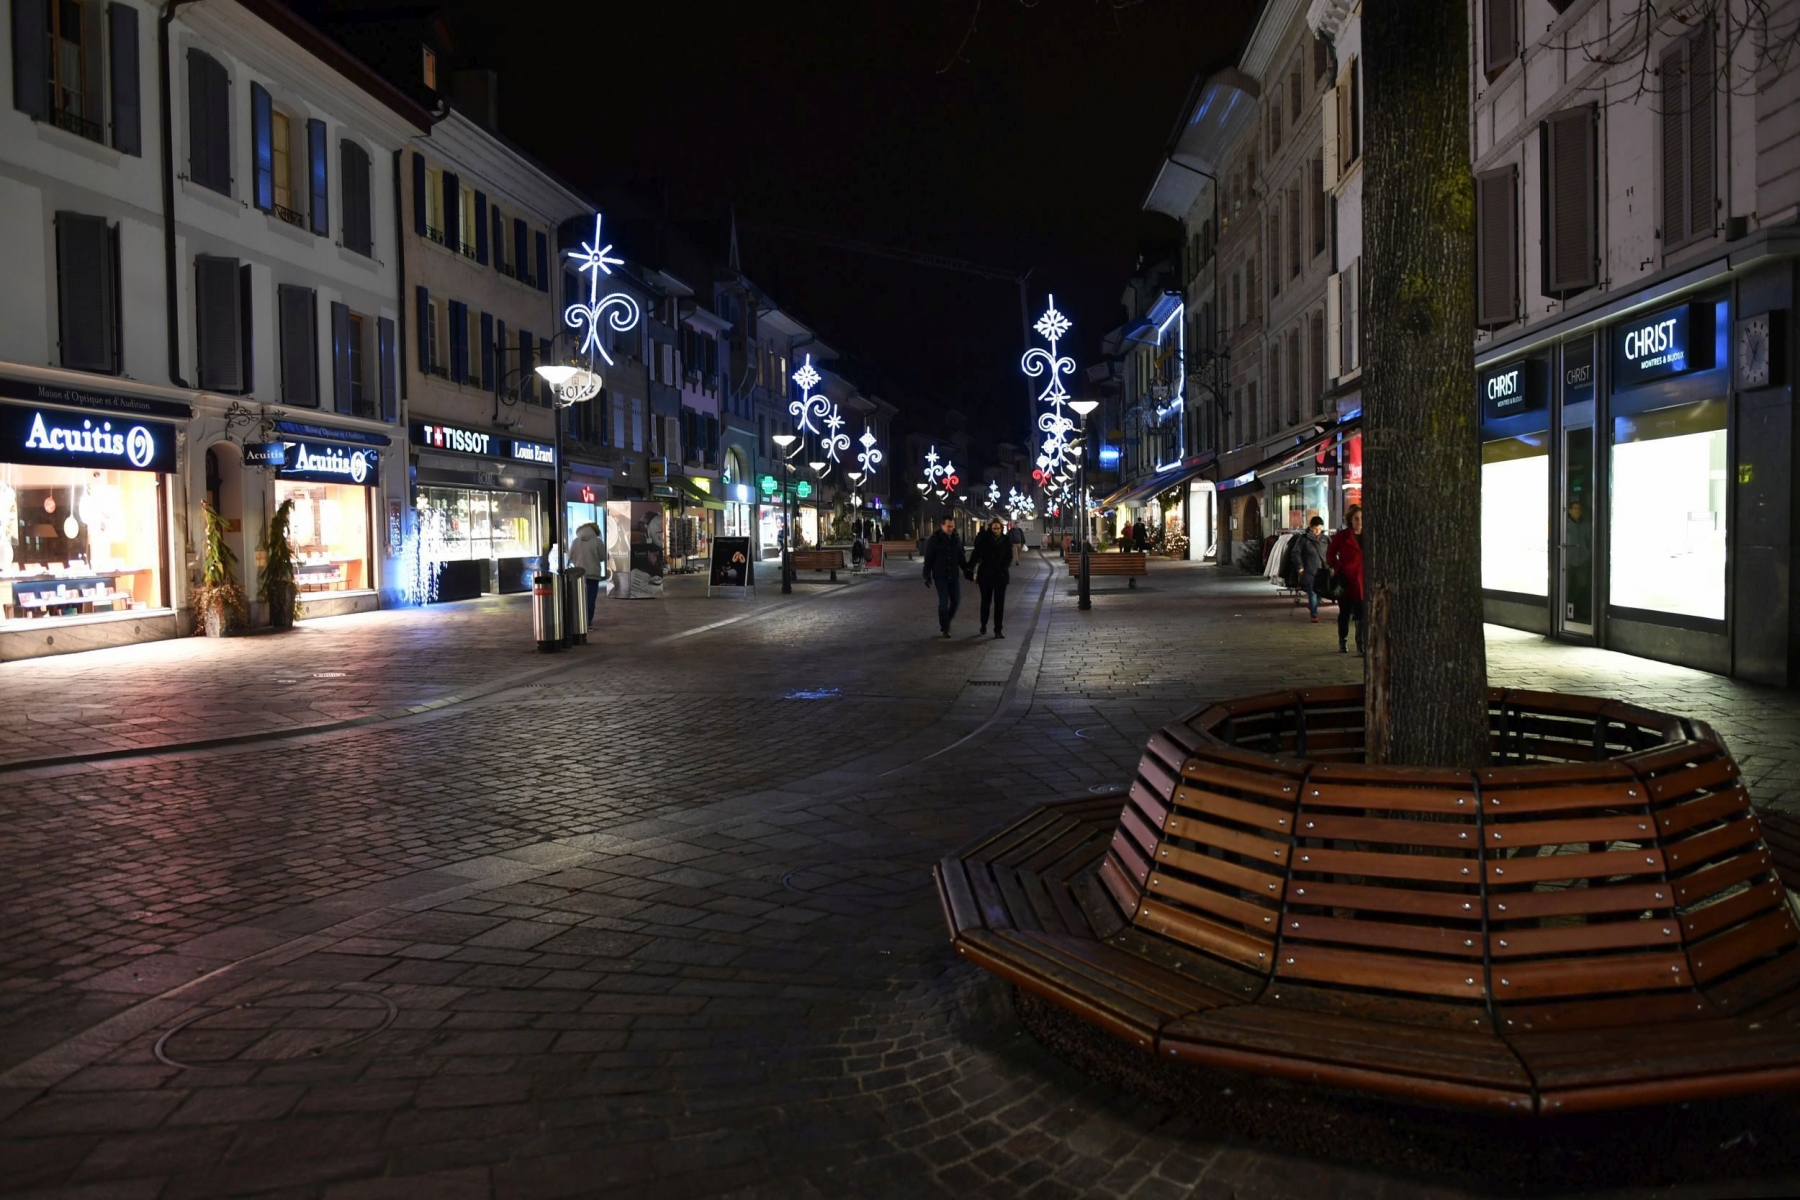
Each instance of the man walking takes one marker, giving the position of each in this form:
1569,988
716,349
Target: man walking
1016,536
945,565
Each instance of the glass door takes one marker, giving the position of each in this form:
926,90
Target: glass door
1575,525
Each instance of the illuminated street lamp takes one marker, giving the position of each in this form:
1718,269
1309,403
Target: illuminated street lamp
784,440
1082,409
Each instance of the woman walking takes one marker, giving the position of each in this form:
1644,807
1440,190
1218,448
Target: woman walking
1345,556
992,558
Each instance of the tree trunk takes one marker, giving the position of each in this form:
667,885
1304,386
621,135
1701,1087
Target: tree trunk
1427,675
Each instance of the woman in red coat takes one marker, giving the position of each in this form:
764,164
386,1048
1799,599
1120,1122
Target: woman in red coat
1345,556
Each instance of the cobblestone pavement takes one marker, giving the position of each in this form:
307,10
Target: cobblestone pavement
661,924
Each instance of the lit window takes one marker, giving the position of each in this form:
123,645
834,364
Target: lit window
428,68
1515,515
466,201
281,159
434,204
1668,510
68,65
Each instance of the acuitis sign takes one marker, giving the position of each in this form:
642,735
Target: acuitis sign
49,437
325,462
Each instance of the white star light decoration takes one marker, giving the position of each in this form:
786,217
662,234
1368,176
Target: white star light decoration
809,405
1055,424
993,495
941,479
868,458
620,309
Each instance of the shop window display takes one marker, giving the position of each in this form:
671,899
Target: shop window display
1515,515
78,543
484,525
1668,511
329,532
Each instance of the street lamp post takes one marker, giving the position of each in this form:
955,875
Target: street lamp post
1082,409
784,440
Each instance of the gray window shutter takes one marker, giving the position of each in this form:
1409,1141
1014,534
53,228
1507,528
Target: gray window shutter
1496,247
458,341
31,70
481,227
1569,239
488,373
1702,173
418,175
219,323
262,147
199,149
453,229
126,115
424,304
1674,148
358,227
218,124
87,293
1499,35
246,328
340,357
389,360
299,316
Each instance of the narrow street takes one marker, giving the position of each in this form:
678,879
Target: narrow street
655,918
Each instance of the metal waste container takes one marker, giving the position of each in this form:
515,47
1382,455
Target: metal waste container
546,611
575,613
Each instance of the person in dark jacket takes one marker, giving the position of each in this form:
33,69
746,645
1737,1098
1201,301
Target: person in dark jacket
992,558
1311,548
1142,536
1345,556
945,565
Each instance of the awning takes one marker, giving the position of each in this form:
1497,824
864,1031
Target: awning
694,494
1289,455
1134,493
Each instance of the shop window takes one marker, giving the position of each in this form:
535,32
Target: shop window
478,525
1515,515
87,292
1667,514
329,532
77,543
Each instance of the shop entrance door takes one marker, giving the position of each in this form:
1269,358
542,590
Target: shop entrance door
1575,533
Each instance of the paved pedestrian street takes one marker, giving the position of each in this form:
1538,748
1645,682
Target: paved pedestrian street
392,906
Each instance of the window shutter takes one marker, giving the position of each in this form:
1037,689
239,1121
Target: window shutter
481,228
543,262
1567,144
487,353
452,212
521,265
31,69
424,330
320,168
262,148
1294,373
527,377
1328,125
247,328
419,194
499,240
1499,35
1702,171
1496,247
126,115
218,124
218,324
1316,336
359,224
459,341
1674,149
543,349
1319,215
299,345
86,293
340,357
389,362
199,149
1294,232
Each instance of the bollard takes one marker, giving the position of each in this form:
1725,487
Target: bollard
546,611
575,614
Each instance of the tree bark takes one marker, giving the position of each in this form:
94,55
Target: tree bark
1426,700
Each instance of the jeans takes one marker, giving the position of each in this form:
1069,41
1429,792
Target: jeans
994,595
1312,593
1348,609
592,585
949,589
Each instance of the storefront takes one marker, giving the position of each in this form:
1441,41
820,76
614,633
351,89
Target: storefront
1515,492
334,488
734,479
770,519
84,524
480,503
585,503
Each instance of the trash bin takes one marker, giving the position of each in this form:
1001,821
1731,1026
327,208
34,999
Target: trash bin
575,614
546,611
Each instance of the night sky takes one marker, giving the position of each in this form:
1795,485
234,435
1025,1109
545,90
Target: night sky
1032,150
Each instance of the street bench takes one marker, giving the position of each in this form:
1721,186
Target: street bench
817,560
1133,564
890,549
1597,921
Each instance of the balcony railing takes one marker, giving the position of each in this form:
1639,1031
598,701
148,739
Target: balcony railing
297,220
77,124
468,251
436,235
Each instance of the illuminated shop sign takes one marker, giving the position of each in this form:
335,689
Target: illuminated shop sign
265,454
323,462
455,439
111,402
52,438
533,452
1578,371
1509,390
1660,344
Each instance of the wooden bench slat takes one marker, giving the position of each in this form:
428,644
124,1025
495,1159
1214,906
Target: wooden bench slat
1426,868
1577,939
1572,832
964,912
1590,975
987,897
1271,852
1363,897
1135,863
1162,989
1219,903
1383,799
1579,901
1599,864
1688,781
1383,935
1119,883
1688,814
1386,972
1018,908
1700,923
1692,851
1257,883
1112,1010
1388,831
1229,942
1726,952
1562,799
1095,903
1244,812
1050,918
1153,808
1709,881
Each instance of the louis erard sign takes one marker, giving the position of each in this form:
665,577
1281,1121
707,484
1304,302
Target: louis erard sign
1659,344
1509,390
53,437
328,462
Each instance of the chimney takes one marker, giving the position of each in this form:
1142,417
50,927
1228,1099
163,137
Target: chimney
476,90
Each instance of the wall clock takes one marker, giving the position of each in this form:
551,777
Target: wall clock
1758,350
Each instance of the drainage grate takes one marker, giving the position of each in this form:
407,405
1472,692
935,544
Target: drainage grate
987,683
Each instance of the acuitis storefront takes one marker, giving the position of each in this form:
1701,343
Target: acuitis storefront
1637,476
482,506
87,544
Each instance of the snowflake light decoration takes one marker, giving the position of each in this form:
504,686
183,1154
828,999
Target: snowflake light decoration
933,472
1055,424
868,458
810,404
619,308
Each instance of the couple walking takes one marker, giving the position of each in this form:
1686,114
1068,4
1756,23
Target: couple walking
1340,560
988,564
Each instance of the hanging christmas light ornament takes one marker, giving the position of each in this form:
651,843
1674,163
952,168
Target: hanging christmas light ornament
934,473
993,495
619,308
1055,424
810,405
868,458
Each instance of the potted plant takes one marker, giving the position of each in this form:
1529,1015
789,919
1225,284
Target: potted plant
218,600
279,590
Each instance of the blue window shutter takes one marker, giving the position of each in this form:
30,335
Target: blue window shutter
543,262
459,341
319,166
340,355
126,118
487,352
262,149
424,331
390,370
544,357
481,228
521,264
31,67
452,211
419,194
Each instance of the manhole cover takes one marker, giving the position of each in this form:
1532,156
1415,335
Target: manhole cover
882,881
287,1022
987,683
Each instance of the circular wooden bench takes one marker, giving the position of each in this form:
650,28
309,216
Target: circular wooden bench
1597,920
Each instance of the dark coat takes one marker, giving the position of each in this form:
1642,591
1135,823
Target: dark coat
1345,556
944,556
992,558
1311,549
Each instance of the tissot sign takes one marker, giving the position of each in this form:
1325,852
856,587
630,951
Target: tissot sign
1509,390
326,462
55,438
456,439
1660,344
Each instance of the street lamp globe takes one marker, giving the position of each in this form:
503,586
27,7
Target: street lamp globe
1084,407
556,374
817,466
784,440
